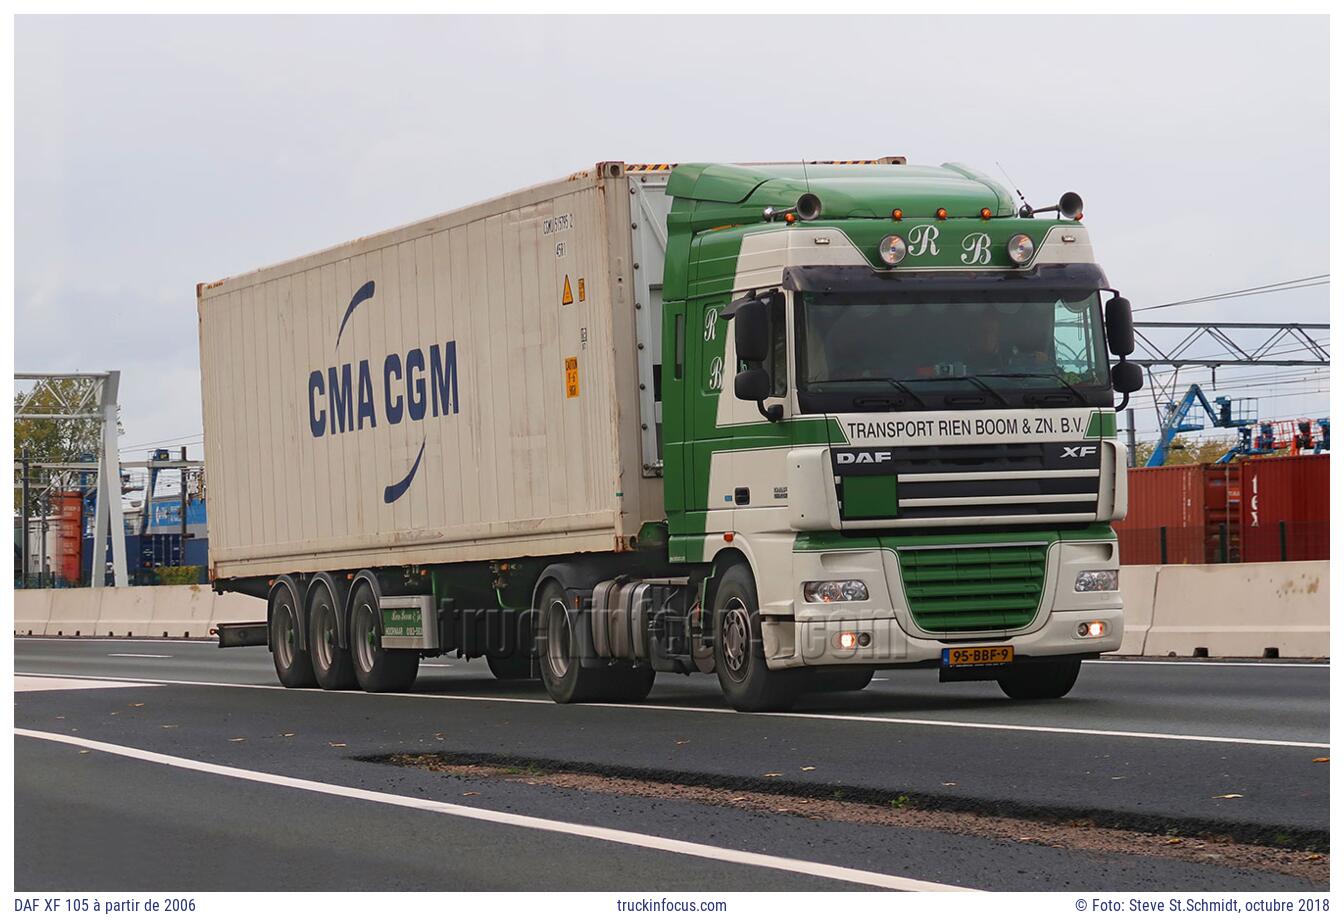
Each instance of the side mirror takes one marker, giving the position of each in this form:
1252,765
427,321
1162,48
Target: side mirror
1120,328
1126,378
751,330
752,384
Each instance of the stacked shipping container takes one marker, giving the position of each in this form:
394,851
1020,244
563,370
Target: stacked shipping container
1257,510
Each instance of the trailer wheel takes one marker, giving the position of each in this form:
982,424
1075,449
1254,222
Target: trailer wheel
1041,680
332,665
378,670
739,654
292,664
843,680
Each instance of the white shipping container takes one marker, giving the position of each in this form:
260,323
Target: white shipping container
464,388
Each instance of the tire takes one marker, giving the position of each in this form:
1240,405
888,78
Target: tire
332,665
844,680
378,670
1048,679
559,652
512,667
739,654
292,664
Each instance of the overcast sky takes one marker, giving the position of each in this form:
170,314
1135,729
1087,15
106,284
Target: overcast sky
153,153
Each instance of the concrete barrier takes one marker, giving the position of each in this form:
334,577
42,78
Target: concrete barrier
167,611
124,612
1138,586
182,612
73,612
1241,610
32,611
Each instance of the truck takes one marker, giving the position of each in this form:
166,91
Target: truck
784,423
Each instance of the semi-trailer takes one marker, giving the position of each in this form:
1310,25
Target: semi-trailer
786,423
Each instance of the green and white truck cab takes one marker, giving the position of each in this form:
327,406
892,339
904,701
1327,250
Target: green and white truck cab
888,393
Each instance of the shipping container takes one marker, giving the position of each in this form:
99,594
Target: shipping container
1285,508
1166,519
480,330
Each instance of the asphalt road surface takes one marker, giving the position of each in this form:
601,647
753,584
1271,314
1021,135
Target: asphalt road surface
135,759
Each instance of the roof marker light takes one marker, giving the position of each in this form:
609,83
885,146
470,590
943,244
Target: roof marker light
790,217
941,213
896,214
986,213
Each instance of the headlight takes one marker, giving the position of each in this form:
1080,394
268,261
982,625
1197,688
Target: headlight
891,249
829,592
1100,580
1020,248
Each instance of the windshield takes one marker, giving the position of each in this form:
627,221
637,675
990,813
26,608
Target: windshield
953,341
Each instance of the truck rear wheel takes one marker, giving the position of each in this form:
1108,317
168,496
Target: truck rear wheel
332,665
1041,680
292,664
377,669
560,650
739,654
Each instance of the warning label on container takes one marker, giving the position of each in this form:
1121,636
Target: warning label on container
582,295
567,297
571,377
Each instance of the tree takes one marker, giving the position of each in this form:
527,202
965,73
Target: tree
1182,450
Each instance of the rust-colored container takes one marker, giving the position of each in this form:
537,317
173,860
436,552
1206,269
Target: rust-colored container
1285,508
1166,520
69,507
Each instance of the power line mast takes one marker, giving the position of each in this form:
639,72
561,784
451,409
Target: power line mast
88,397
1231,345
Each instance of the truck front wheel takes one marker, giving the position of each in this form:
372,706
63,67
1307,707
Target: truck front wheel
739,654
292,664
1048,679
377,669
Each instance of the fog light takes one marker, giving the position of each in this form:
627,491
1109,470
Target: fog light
1020,248
830,592
1099,580
1093,630
848,641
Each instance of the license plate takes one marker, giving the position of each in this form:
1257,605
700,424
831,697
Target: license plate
977,656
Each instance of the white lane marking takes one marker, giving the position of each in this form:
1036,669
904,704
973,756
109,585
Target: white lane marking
29,684
825,716
1211,664
629,838
134,655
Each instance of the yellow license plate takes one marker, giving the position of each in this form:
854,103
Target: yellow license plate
977,656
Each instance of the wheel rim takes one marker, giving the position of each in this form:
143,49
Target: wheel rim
366,638
286,647
558,631
326,639
735,637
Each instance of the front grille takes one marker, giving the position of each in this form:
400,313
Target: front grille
979,588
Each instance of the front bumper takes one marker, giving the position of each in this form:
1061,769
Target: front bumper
889,635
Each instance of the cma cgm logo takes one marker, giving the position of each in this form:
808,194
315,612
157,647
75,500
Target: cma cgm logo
405,388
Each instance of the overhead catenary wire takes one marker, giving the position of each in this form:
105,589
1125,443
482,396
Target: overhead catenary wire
1294,284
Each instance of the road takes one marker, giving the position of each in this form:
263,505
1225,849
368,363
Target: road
181,749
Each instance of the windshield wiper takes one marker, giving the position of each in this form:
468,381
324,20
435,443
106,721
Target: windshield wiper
973,379
1064,383
889,380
